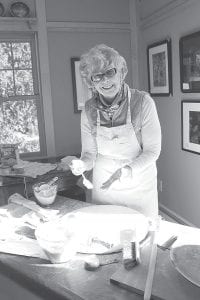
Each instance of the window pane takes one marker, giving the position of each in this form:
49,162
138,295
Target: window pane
19,115
5,55
6,84
19,124
24,82
22,55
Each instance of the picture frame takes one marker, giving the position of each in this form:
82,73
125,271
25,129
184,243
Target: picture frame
189,50
81,92
159,64
190,125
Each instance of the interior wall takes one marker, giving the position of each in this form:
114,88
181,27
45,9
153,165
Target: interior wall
87,10
62,45
178,169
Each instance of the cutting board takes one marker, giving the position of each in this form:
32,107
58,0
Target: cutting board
168,283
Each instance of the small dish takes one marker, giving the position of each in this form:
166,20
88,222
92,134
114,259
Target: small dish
18,169
19,9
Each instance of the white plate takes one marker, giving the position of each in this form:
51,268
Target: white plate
98,227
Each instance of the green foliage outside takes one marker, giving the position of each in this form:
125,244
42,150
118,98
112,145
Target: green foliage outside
18,117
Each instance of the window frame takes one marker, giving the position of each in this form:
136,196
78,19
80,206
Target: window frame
30,37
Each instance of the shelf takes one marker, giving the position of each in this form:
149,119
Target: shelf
17,19
17,24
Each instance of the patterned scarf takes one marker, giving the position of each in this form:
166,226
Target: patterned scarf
111,109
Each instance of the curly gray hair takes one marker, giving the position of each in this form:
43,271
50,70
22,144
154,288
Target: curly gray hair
98,59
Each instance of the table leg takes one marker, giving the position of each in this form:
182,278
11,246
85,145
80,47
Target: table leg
25,188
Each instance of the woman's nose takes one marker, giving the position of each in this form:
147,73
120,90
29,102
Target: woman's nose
105,79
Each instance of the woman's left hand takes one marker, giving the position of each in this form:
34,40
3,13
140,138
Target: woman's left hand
120,174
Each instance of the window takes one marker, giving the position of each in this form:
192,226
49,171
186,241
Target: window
20,99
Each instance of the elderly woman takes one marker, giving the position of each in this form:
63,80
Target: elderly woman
121,136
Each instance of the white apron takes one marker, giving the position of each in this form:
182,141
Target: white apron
118,146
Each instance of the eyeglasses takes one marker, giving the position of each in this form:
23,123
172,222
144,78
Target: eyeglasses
108,74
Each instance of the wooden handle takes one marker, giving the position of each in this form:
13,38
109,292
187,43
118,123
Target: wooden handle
151,269
20,200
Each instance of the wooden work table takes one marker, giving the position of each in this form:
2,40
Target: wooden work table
70,280
62,281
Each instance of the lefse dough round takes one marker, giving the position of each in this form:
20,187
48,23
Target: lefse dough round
98,227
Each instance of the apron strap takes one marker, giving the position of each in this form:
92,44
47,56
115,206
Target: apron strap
98,118
128,118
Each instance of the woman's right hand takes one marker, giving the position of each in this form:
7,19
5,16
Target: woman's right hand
77,167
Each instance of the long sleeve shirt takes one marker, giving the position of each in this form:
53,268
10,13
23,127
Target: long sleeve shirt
145,121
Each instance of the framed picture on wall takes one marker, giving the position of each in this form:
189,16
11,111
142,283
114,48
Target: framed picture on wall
81,92
159,68
190,124
189,48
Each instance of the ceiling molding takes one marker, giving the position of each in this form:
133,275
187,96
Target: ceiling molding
88,27
171,8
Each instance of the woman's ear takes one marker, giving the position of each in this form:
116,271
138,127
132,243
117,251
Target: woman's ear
122,77
124,72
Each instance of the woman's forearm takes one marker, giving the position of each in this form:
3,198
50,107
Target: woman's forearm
88,159
151,136
89,147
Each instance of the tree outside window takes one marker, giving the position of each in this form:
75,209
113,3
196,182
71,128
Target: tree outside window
20,103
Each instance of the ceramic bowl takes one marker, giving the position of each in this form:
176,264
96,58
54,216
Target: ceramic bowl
57,242
19,9
45,193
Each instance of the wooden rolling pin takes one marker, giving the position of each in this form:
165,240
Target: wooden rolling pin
41,212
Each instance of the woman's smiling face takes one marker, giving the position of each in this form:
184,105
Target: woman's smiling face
110,83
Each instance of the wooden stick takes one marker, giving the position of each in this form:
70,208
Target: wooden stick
152,262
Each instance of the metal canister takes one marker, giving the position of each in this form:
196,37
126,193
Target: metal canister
130,248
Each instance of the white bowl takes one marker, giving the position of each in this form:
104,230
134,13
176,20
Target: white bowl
44,193
58,243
